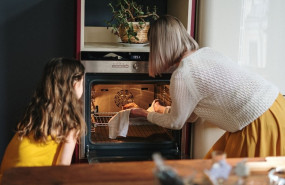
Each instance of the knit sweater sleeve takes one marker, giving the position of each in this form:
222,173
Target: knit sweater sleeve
183,104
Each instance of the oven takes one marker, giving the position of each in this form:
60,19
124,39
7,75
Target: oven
113,79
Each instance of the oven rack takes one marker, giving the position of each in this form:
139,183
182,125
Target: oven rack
102,118
136,134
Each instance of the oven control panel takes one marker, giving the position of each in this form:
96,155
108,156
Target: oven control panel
101,66
114,56
115,62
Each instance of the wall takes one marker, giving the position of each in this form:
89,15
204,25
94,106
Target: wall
251,33
31,32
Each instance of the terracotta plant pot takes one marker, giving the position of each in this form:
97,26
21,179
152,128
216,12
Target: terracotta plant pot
141,33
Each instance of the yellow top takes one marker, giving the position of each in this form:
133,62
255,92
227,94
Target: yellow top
28,152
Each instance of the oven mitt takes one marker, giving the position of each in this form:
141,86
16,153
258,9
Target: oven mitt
119,124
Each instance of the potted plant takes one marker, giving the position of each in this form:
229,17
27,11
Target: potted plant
130,21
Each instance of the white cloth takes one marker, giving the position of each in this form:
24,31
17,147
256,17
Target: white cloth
119,124
217,89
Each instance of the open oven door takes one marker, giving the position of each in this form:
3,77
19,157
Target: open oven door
141,142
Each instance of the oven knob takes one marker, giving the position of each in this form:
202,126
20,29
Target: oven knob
136,66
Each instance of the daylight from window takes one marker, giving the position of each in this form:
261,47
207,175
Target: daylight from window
253,33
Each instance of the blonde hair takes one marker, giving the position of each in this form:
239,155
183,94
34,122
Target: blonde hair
168,40
54,109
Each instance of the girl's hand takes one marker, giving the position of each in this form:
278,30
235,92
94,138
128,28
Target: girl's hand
138,112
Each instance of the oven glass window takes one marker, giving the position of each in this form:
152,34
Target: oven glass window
108,99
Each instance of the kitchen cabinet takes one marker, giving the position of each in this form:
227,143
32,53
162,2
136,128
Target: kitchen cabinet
91,37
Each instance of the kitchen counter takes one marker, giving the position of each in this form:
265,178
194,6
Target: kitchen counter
126,173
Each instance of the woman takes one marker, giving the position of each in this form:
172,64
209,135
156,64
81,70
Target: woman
208,84
52,122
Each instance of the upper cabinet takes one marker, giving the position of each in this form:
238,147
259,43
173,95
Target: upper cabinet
93,33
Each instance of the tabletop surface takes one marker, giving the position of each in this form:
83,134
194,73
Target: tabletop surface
127,173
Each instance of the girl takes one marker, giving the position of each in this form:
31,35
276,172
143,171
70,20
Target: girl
52,122
211,86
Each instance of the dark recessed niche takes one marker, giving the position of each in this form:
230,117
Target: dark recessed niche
98,12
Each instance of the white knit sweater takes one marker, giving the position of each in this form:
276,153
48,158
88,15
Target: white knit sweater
217,89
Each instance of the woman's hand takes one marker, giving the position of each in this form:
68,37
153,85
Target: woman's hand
158,108
138,112
130,106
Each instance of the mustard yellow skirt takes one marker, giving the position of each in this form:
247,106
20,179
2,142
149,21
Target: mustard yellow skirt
265,136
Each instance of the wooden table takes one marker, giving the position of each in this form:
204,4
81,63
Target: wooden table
123,173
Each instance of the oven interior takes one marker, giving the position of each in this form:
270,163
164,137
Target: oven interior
104,98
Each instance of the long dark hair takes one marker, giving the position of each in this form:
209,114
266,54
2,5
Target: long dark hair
54,109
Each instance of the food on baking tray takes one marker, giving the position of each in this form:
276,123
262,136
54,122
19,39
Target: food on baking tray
129,106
